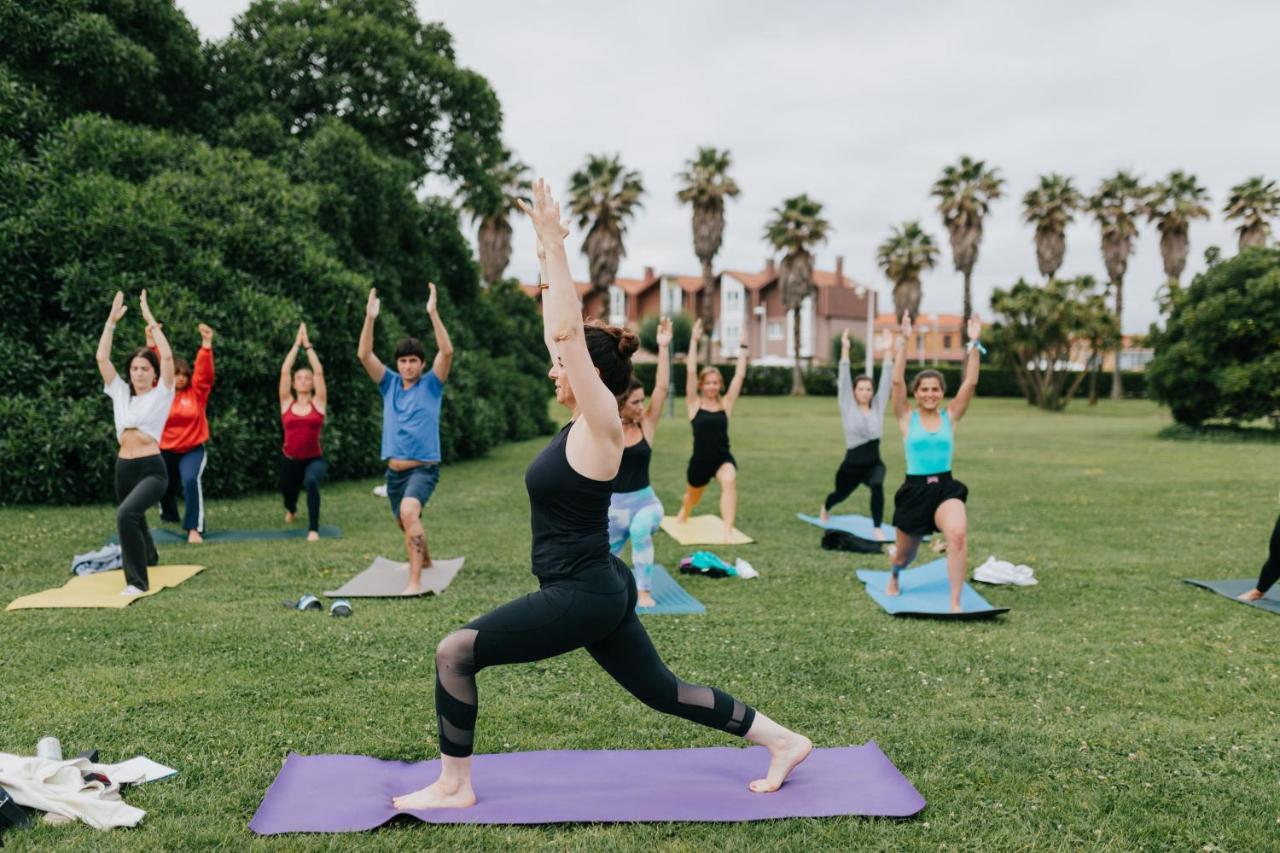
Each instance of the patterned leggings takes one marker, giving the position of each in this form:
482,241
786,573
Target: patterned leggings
636,516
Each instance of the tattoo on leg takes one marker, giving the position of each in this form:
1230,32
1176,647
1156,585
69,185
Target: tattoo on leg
419,543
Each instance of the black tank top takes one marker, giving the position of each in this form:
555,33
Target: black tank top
633,473
569,514
710,434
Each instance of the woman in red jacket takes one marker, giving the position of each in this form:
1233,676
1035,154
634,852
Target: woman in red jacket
303,402
185,434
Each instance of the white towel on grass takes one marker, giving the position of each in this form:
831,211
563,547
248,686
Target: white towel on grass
59,788
1003,572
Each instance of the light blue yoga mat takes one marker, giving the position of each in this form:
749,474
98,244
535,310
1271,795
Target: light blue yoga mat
165,536
671,597
925,592
1269,602
858,525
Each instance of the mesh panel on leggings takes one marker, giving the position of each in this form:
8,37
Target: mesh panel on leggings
695,694
736,719
456,692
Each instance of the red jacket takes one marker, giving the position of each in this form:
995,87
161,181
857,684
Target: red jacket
187,427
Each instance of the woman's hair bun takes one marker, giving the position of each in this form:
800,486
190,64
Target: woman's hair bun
628,342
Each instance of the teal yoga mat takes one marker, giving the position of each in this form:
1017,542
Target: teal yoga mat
925,592
671,597
164,536
1269,602
858,525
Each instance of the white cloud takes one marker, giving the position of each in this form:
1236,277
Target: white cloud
861,105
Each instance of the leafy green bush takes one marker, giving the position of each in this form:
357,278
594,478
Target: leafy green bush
1218,356
681,329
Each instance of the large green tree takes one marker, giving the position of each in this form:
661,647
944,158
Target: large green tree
491,203
705,183
796,228
965,192
604,195
371,64
1172,204
904,256
1116,207
1254,203
1051,207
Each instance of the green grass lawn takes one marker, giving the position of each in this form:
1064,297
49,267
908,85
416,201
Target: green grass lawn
1114,708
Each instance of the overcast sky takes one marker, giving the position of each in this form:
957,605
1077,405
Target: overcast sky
860,105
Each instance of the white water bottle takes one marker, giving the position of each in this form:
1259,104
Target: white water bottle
49,748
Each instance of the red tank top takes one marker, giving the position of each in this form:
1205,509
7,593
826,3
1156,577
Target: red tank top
302,433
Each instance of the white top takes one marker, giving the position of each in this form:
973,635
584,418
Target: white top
143,412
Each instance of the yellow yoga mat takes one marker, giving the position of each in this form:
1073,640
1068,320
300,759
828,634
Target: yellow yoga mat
103,589
702,530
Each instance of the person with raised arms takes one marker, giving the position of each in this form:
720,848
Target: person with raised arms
931,500
186,433
586,596
304,404
862,415
140,407
410,426
709,415
635,512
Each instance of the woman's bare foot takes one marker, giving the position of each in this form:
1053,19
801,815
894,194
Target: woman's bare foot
784,756
824,516
313,536
194,537
290,517
956,607
728,534
412,589
1251,595
440,794
645,599
892,588
682,517
878,534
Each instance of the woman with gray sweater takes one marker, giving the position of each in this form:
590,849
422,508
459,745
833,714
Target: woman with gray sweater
862,415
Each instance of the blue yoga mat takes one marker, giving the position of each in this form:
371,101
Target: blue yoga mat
671,597
858,525
925,592
165,536
1231,588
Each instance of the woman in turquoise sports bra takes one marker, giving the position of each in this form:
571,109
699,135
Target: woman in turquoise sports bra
931,500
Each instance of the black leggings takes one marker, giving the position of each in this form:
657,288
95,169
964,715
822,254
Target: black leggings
1271,568
595,610
140,484
297,474
857,468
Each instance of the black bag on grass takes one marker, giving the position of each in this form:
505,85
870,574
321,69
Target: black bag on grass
838,540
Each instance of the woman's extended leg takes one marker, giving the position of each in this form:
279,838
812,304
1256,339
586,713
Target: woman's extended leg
846,482
140,483
953,520
191,470
313,476
1270,569
727,477
291,474
904,552
692,495
644,524
875,482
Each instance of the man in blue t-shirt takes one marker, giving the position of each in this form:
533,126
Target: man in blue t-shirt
410,426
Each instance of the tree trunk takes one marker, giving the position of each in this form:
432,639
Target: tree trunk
708,307
797,382
1117,386
968,309
1094,368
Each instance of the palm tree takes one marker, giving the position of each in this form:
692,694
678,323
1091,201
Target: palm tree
603,194
705,185
491,204
797,226
907,253
965,192
1253,202
1116,207
1172,204
1051,208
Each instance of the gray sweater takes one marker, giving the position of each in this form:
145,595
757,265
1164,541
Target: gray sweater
859,426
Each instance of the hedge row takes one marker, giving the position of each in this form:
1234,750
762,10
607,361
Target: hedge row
820,381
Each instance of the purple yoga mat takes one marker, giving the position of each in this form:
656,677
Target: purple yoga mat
349,793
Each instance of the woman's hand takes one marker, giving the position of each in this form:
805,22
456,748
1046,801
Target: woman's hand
373,306
431,299
206,334
844,345
146,309
906,331
975,328
886,340
117,308
545,215
696,334
664,332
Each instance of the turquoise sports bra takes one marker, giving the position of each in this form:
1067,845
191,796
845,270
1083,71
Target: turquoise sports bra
929,452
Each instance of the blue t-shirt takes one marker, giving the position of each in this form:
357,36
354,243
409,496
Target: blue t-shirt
411,417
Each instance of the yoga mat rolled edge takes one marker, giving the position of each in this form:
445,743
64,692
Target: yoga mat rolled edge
1232,587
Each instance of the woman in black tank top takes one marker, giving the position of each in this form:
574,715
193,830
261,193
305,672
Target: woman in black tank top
635,513
709,416
586,596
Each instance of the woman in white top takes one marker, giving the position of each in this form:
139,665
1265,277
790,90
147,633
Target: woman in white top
141,407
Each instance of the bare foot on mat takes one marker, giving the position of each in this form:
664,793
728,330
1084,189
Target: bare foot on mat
313,536
1251,595
645,599
437,795
290,517
892,588
783,758
194,537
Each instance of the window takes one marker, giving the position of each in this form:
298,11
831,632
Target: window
617,306
946,342
732,299
776,331
672,298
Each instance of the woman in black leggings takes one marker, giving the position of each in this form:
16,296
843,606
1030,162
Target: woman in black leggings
1270,569
587,597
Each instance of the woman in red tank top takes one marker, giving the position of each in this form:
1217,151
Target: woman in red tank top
303,401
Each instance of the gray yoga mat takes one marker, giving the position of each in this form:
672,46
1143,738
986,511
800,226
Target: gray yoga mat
1269,602
386,578
165,536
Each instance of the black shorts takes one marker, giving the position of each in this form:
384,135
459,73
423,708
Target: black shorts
917,501
701,470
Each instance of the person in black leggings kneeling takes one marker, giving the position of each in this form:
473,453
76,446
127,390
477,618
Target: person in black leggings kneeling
587,596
